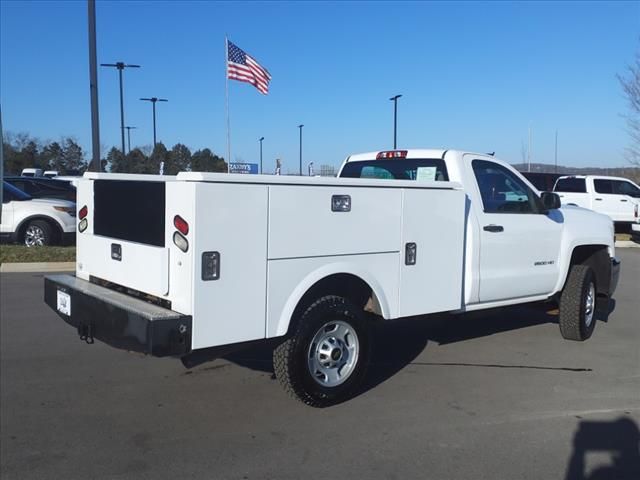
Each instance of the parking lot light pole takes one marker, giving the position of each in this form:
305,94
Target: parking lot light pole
120,66
129,137
153,100
300,127
260,140
394,99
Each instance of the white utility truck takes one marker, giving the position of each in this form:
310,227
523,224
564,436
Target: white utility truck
187,265
616,197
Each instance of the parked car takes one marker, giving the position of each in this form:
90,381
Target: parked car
36,221
616,197
31,172
41,187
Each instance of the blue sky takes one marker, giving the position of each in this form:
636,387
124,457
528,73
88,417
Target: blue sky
473,75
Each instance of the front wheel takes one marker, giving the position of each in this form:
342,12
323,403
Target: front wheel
578,304
324,360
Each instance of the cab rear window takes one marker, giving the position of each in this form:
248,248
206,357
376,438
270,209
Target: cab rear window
427,169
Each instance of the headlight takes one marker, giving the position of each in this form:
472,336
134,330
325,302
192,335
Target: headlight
70,210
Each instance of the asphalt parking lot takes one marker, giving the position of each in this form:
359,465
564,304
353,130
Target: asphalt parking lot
493,395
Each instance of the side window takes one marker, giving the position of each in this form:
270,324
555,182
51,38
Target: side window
501,190
602,186
7,196
625,188
571,184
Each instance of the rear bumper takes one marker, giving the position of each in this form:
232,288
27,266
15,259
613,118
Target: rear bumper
117,319
615,275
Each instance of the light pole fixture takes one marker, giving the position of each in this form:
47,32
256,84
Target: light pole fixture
120,66
394,99
153,100
129,137
260,140
300,127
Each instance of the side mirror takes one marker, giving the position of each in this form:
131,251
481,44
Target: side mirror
550,200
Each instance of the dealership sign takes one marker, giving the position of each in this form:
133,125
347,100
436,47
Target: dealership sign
250,168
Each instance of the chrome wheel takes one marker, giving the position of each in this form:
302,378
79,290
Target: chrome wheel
333,353
590,304
34,236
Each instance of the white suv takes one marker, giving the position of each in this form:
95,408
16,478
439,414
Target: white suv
36,222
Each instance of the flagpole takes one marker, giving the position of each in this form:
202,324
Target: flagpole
226,74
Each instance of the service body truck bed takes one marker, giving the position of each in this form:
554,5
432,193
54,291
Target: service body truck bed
177,265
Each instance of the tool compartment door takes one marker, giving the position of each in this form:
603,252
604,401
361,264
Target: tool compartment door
434,220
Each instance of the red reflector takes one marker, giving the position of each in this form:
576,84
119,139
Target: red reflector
181,224
392,154
83,212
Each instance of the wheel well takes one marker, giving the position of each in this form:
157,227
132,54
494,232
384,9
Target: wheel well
344,285
56,230
597,257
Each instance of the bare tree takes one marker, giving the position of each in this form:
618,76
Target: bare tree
630,83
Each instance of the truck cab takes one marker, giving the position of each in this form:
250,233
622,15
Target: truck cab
518,244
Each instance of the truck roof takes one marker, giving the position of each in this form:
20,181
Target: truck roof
602,177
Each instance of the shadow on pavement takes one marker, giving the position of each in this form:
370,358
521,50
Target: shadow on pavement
398,343
619,438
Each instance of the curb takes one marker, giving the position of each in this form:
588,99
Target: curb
38,267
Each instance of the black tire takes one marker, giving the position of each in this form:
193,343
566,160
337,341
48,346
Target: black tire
37,233
291,359
574,315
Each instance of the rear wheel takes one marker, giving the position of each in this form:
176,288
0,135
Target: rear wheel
37,234
324,360
578,304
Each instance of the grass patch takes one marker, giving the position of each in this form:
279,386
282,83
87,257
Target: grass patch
20,253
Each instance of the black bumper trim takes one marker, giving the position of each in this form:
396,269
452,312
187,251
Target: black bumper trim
119,320
615,275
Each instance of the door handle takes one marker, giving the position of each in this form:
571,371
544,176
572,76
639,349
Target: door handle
599,199
623,200
493,228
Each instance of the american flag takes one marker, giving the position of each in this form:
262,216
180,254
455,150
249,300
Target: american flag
244,68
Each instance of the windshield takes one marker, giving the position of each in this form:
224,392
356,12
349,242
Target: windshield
420,169
12,193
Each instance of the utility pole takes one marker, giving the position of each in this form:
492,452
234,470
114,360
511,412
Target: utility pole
93,89
120,66
529,151
153,100
556,152
260,140
129,137
394,99
300,127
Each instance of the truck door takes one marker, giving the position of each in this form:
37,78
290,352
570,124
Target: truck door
519,243
606,201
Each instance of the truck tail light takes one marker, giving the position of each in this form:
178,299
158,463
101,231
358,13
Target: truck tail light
82,215
181,224
180,241
392,154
